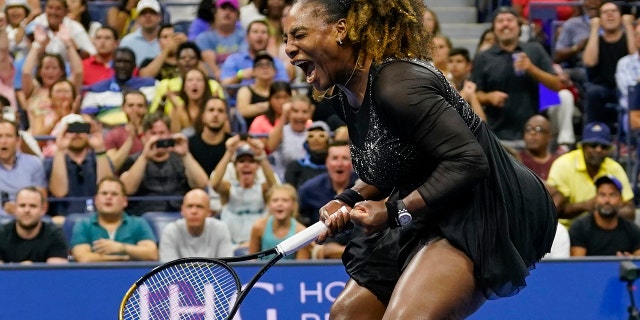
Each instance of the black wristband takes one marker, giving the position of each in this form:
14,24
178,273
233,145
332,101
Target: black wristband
392,214
350,197
101,153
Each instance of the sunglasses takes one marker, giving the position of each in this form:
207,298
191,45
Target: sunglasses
595,145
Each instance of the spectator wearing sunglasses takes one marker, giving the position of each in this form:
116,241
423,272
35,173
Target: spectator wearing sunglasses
572,175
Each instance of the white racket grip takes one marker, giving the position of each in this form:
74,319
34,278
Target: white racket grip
304,237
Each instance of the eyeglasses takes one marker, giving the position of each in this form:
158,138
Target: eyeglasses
595,145
263,64
536,129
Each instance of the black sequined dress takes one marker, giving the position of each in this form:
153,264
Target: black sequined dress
414,131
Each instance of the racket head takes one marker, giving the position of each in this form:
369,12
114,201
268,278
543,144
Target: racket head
188,288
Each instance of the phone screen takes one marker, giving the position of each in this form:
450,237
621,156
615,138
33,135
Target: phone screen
78,127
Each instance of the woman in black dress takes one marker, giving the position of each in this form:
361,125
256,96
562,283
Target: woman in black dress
450,218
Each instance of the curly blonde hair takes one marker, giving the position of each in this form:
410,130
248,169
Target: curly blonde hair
381,28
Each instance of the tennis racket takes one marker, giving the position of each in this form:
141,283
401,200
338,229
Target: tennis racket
202,288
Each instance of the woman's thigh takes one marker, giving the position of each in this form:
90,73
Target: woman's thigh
438,283
356,302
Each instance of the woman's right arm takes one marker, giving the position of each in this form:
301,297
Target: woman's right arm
246,108
30,63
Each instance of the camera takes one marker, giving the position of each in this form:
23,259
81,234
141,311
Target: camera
79,127
629,271
165,143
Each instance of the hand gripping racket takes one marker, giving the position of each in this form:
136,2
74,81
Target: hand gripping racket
202,288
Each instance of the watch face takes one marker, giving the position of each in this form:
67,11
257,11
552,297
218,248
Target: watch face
404,218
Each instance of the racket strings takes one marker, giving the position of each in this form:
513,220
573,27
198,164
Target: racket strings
193,290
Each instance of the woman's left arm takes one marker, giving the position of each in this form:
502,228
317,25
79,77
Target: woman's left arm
412,99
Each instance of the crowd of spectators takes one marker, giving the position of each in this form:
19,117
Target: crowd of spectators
107,125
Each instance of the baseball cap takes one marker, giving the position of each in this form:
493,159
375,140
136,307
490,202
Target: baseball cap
596,132
73,118
233,3
148,4
244,150
262,55
17,3
609,179
501,10
321,125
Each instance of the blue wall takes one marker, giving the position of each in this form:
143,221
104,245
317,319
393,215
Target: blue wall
584,289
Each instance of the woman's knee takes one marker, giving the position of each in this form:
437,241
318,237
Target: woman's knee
438,283
356,302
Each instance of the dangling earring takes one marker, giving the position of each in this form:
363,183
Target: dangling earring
339,41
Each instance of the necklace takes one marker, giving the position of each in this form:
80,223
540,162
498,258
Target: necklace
323,94
352,72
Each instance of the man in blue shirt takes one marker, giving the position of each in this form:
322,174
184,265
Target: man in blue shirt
225,37
17,170
319,190
144,41
238,68
111,234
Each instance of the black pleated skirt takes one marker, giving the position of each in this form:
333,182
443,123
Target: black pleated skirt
505,224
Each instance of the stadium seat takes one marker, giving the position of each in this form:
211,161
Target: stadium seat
159,219
71,221
5,219
182,26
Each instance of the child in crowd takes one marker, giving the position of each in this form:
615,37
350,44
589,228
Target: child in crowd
280,223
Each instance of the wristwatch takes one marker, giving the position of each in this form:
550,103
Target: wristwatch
404,217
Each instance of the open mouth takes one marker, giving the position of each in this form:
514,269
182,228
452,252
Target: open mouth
308,68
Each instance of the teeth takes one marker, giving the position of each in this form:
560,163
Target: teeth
298,63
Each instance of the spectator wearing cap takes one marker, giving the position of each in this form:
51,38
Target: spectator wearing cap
572,175
225,37
288,136
59,27
238,68
16,12
603,232
318,136
79,162
508,76
252,100
165,167
243,199
144,40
